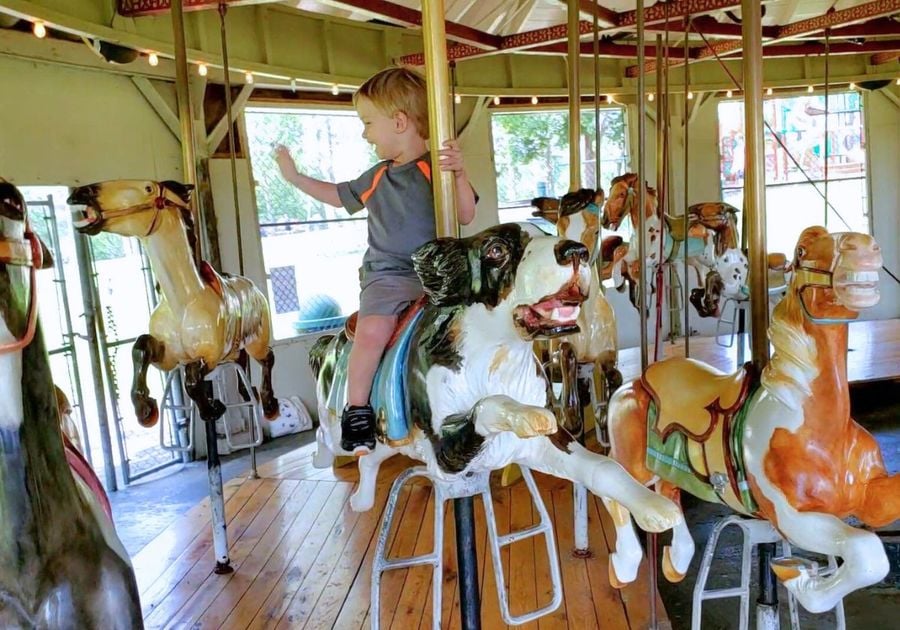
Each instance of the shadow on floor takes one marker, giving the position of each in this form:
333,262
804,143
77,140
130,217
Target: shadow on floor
144,509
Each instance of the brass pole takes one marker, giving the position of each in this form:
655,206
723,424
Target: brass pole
183,95
439,114
642,247
574,80
755,180
685,300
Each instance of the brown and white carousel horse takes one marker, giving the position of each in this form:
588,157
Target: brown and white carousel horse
203,318
61,563
782,447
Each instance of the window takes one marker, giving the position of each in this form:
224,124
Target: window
311,251
531,153
792,202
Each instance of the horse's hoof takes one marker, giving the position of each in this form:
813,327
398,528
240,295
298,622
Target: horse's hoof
147,413
613,579
359,503
668,567
271,409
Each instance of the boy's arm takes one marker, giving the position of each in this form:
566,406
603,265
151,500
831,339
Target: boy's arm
326,192
452,160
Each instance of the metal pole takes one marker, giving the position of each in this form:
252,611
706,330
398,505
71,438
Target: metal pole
685,299
825,143
755,180
182,93
642,244
574,80
439,114
597,185
469,598
90,325
216,497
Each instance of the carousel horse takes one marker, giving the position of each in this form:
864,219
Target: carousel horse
61,563
203,318
460,388
781,447
710,245
577,217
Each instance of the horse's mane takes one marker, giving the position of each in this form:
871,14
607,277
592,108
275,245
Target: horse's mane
790,372
625,177
184,193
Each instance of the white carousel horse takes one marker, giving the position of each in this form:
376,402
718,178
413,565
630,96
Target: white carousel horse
61,563
204,318
782,448
460,388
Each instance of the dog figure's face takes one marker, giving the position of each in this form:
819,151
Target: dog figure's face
538,283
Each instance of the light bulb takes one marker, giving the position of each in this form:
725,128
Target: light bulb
249,78
496,100
457,99
729,94
690,96
650,96
852,86
153,59
293,85
897,82
610,99
40,31
534,100
202,70
768,91
810,89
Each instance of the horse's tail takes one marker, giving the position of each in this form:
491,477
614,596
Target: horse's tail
317,354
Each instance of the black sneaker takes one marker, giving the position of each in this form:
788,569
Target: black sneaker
358,429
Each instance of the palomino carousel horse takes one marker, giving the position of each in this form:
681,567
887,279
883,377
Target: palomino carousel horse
460,387
710,245
577,217
203,318
61,563
782,447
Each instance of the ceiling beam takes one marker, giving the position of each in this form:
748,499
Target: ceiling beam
872,28
794,30
138,8
606,49
710,26
605,17
883,57
661,11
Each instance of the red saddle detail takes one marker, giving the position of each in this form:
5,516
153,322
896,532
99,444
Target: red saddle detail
404,318
82,468
210,276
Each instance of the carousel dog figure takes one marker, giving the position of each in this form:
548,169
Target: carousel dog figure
577,217
61,563
782,447
460,388
203,318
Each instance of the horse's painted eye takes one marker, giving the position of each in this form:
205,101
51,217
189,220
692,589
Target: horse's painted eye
148,189
497,252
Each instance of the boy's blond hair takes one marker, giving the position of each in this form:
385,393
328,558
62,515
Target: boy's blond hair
398,90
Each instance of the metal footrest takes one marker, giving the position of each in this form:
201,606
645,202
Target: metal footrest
729,325
453,489
754,532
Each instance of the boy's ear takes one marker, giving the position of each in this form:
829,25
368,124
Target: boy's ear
443,268
401,121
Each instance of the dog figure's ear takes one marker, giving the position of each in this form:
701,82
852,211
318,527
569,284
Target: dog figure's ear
443,268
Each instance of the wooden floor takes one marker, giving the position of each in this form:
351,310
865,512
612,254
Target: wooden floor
303,559
874,352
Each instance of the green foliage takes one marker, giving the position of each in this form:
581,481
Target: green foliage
106,246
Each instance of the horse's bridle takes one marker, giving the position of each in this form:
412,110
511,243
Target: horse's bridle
159,203
23,252
811,278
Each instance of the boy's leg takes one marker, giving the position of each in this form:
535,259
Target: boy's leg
358,420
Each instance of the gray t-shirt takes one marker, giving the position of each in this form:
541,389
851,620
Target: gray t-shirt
401,212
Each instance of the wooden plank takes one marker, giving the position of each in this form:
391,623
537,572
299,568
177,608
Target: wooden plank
157,555
414,592
490,602
274,517
198,549
556,620
348,568
251,601
300,562
356,607
576,580
165,608
232,591
607,601
522,594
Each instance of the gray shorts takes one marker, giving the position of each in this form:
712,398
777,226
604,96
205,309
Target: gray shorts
385,293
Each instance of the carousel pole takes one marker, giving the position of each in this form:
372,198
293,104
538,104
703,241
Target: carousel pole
580,498
755,213
439,127
189,163
642,133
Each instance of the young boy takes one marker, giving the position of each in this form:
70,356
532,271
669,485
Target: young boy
397,192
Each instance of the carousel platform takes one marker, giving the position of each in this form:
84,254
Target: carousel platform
303,559
874,352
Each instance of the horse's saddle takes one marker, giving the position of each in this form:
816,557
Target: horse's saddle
675,228
695,429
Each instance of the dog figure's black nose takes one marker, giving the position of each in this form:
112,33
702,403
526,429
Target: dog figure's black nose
568,251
